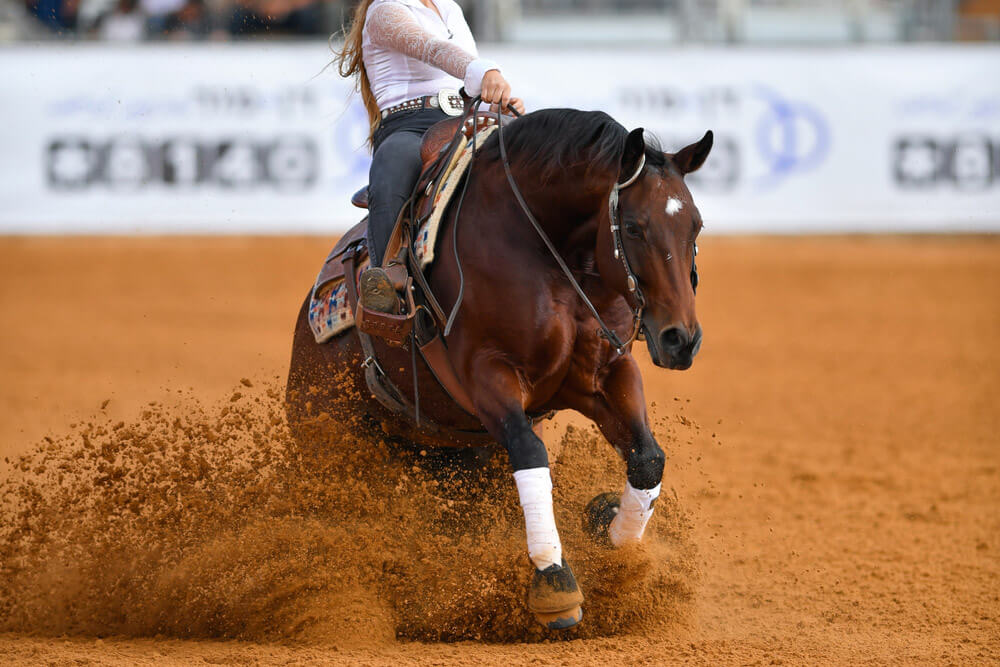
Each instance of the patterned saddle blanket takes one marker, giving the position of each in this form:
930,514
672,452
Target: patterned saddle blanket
330,312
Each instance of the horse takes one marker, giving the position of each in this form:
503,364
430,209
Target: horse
547,319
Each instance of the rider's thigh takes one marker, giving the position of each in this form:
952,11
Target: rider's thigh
395,165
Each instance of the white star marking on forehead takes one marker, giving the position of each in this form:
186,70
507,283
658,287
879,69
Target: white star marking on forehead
674,205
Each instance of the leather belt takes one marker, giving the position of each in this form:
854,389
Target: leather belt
448,101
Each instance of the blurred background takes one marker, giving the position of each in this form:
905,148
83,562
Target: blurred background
658,22
173,172
179,116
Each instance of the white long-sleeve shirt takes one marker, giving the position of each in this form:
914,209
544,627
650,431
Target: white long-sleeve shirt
409,51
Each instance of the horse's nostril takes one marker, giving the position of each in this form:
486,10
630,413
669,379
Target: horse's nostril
673,338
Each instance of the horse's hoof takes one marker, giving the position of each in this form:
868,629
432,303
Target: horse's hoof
561,620
555,598
599,514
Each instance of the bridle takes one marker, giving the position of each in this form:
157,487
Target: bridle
631,282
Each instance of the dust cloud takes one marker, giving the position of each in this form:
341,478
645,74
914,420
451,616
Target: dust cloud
213,521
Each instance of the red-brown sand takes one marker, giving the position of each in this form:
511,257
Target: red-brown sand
833,466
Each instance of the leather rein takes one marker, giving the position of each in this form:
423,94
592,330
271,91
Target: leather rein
619,249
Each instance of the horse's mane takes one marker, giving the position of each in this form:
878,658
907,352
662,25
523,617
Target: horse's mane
553,139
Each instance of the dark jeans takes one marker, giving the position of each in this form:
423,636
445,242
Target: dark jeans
394,171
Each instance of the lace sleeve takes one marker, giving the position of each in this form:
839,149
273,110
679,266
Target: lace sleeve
391,26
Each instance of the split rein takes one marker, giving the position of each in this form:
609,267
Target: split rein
619,247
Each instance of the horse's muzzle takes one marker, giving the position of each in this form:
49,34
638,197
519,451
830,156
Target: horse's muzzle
674,347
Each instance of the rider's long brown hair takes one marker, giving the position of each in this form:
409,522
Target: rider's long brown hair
349,63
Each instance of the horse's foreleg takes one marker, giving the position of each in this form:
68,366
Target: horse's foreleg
619,411
530,464
554,596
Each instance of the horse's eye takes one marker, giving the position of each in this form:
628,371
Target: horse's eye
633,229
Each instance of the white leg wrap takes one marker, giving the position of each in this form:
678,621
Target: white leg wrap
633,514
534,486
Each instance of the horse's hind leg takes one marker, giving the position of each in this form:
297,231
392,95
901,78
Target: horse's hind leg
322,378
554,596
302,369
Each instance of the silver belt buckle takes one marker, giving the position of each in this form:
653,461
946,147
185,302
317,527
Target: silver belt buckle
445,103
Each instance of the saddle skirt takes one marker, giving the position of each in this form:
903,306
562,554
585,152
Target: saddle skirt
330,311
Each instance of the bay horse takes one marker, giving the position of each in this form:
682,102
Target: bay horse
525,341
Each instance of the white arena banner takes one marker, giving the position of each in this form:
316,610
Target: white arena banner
260,138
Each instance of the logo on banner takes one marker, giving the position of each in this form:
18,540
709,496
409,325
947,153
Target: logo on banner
966,162
792,137
721,171
79,163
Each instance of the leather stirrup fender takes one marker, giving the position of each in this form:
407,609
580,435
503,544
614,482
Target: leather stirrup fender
436,355
372,369
381,386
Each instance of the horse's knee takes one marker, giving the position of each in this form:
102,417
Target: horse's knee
645,466
525,449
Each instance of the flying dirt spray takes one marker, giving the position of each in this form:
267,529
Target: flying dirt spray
213,522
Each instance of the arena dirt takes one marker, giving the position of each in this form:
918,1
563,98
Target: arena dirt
833,478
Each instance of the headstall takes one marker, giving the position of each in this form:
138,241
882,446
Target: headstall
631,282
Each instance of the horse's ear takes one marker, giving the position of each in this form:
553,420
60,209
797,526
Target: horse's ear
635,146
690,158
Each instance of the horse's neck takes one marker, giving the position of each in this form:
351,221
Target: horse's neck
567,208
570,210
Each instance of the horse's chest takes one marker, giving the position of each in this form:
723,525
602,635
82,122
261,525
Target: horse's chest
560,358
587,354
590,355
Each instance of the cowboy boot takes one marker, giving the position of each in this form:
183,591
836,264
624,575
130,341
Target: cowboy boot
377,291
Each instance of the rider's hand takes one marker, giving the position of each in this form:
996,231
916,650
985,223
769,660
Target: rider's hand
518,104
496,90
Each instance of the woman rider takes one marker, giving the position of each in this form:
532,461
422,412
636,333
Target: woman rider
404,52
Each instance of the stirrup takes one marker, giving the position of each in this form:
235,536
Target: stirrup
377,293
